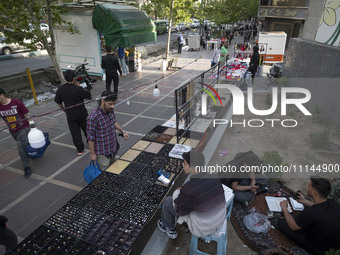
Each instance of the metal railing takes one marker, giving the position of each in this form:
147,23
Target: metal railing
188,96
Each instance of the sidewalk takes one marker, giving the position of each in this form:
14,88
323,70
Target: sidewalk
57,177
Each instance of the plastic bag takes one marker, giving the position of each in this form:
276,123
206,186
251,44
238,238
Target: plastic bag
257,222
91,172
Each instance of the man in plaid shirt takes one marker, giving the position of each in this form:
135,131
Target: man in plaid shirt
101,131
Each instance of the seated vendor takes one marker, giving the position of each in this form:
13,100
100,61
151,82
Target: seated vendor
200,202
317,228
245,183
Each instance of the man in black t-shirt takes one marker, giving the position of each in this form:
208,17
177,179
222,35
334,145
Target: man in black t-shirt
317,228
111,65
72,95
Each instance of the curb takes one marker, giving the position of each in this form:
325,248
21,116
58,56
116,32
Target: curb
24,55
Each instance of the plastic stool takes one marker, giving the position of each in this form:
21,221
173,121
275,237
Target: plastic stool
220,236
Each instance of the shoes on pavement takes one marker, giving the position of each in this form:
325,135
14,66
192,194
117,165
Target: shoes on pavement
172,233
81,153
28,172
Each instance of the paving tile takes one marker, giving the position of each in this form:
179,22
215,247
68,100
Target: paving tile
133,108
8,142
74,173
52,132
7,177
156,111
145,98
168,101
67,139
142,125
3,134
20,215
49,123
12,189
32,226
5,200
46,195
55,157
122,118
8,155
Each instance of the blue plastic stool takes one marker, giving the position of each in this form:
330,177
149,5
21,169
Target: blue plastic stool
220,236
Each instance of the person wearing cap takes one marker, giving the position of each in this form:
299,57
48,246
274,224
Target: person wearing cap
200,202
70,98
7,237
111,65
101,131
16,116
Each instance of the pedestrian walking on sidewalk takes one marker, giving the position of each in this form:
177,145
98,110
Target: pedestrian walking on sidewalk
246,34
121,59
7,237
70,98
180,40
254,62
101,131
111,65
200,202
16,116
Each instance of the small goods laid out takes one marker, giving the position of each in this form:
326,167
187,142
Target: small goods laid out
107,216
235,69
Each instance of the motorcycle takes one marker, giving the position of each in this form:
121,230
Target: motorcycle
276,70
82,76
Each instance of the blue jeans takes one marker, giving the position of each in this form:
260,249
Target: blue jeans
122,63
169,216
22,140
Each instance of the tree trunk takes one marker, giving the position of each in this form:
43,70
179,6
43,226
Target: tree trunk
56,65
169,31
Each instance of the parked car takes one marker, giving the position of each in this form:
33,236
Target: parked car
194,24
44,27
9,48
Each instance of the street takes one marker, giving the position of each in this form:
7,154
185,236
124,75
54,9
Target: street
10,66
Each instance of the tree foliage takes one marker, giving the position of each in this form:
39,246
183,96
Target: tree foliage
20,23
182,10
230,11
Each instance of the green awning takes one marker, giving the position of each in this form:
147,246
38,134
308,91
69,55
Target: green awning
122,25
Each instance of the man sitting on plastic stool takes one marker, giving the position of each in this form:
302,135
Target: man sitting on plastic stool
199,202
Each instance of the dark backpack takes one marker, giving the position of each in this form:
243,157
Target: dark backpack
178,39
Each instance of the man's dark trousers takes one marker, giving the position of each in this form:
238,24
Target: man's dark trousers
299,236
115,79
75,128
180,47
